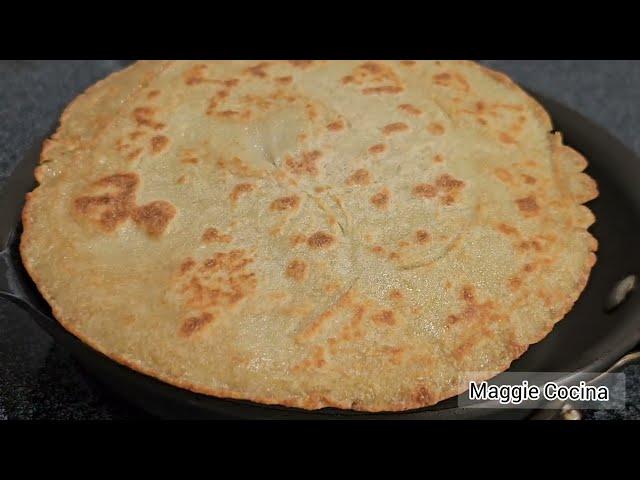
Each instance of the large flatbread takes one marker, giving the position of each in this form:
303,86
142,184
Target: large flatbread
355,234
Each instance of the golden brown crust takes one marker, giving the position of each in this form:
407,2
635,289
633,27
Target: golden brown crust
226,277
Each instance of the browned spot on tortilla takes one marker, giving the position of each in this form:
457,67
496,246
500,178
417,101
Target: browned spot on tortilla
349,331
284,80
187,265
422,236
528,205
296,270
507,229
394,256
462,81
410,109
381,199
297,239
443,78
211,235
134,154
320,240
503,175
121,145
301,63
359,177
528,179
422,396
336,126
213,104
159,143
220,281
153,94
394,354
448,199
229,113
435,128
190,160
315,360
144,117
113,206
438,158
377,148
407,63
378,250
195,324
515,283
396,294
424,190
545,296
258,101
195,75
455,80
136,134
475,314
372,67
312,111
385,89
395,128
450,186
375,78
331,288
258,70
448,183
530,245
290,202
468,293
384,317
307,164
154,216
238,168
470,312
506,138
239,190
314,327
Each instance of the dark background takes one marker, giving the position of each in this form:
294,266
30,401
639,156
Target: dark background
38,380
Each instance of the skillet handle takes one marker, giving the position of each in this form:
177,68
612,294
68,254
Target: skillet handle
13,192
5,276
12,195
11,291
565,411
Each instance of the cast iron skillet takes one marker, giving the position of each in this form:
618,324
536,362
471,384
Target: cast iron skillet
592,338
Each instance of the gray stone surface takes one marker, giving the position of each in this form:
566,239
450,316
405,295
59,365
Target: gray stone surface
39,380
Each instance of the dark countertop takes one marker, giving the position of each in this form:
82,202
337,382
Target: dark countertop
39,380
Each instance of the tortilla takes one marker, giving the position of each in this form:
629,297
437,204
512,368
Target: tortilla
352,234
